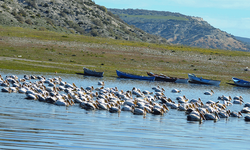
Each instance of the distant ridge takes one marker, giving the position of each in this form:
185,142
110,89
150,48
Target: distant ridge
180,29
71,16
243,39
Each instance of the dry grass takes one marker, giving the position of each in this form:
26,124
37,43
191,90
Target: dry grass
47,51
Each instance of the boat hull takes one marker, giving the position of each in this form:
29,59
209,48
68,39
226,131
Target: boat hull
194,79
167,79
241,82
131,76
89,72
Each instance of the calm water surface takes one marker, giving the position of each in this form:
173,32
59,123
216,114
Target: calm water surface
29,124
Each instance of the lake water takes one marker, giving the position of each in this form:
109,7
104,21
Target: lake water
29,124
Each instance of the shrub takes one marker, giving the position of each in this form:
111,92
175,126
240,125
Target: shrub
103,8
42,29
22,13
19,18
28,21
94,32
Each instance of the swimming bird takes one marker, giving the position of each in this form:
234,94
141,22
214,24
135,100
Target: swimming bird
247,118
175,91
235,114
212,116
139,111
209,93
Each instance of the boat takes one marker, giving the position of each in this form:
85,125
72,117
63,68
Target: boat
194,79
132,76
241,82
92,72
161,77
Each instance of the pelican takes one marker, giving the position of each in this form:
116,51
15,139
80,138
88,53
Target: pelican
236,114
247,118
88,105
176,91
115,109
126,108
209,93
211,116
247,105
101,83
195,115
139,111
245,110
224,114
240,101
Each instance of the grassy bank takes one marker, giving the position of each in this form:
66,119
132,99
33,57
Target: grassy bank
45,51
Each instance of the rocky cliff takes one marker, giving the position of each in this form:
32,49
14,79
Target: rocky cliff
180,29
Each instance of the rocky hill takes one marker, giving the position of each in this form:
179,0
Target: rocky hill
180,29
70,16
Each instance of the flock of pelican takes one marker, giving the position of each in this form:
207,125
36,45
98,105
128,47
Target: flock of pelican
58,92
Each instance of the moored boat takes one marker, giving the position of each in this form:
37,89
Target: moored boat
194,79
161,77
241,82
92,72
132,76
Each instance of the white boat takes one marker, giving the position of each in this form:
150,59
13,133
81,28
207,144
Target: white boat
241,82
194,79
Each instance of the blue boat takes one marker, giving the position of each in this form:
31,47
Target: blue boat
241,82
194,79
131,76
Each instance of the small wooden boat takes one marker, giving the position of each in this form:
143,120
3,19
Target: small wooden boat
131,76
161,77
92,73
241,82
194,79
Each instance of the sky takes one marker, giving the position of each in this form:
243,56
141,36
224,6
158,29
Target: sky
231,16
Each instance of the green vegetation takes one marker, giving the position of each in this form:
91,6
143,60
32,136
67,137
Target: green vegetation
47,51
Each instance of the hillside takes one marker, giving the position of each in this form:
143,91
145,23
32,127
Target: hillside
243,39
180,29
70,16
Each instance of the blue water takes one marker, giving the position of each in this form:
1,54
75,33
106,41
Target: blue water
29,124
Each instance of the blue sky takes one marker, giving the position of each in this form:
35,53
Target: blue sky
232,16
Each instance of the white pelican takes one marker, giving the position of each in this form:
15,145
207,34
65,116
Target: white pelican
138,111
126,108
211,116
6,89
247,104
238,101
115,109
88,105
209,93
245,110
176,91
224,114
247,118
101,83
238,98
236,114
195,115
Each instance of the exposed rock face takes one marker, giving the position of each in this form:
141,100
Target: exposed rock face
70,16
180,29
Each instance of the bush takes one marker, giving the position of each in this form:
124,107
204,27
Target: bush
22,13
19,18
103,8
42,29
94,32
28,21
